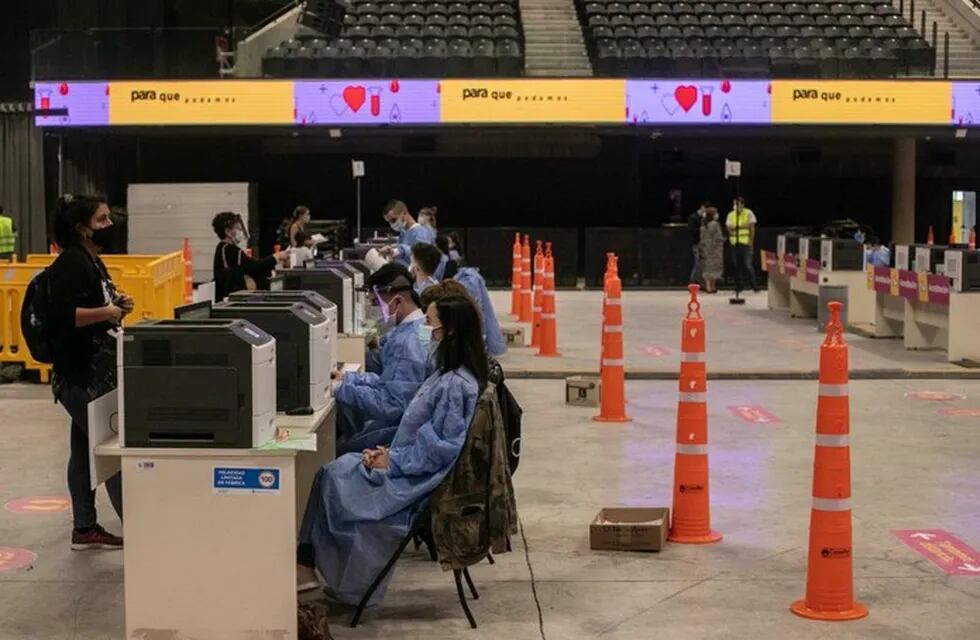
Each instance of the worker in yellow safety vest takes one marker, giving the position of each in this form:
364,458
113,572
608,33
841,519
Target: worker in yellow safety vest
7,236
741,233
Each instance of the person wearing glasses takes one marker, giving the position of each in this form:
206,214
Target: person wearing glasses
371,404
364,503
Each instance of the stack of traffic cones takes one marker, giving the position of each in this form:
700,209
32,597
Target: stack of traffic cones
527,304
548,347
612,402
538,286
691,513
188,272
830,570
930,237
515,277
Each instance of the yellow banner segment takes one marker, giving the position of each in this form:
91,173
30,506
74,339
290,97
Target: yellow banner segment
217,102
533,101
861,102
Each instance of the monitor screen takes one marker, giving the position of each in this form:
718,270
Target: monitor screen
194,311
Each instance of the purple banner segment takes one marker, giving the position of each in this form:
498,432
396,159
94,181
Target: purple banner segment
698,101
966,104
367,102
87,103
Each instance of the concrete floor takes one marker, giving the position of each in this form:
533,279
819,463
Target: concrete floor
741,339
913,468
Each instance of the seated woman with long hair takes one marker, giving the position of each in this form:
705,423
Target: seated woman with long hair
363,505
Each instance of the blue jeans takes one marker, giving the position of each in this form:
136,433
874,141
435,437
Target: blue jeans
75,401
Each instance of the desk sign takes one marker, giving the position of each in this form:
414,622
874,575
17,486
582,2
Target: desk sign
246,480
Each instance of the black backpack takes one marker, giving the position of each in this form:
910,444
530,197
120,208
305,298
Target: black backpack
34,318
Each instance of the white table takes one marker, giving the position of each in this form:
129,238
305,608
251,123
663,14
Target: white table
210,563
803,295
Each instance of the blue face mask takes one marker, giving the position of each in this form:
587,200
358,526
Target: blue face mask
427,339
397,226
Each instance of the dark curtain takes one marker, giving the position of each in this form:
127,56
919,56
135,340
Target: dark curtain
22,180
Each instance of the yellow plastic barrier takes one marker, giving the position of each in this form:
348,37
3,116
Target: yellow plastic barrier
156,284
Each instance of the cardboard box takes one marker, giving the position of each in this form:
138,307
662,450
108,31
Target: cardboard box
582,391
630,529
516,336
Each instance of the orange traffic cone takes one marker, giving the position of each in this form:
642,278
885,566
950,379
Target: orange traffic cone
515,277
610,269
830,571
973,238
527,304
549,320
536,302
612,401
53,249
930,237
188,272
691,514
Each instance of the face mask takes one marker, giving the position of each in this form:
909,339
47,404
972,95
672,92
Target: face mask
102,237
388,317
425,335
397,226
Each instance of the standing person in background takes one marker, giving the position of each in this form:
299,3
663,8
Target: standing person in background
409,232
712,250
235,270
301,217
84,306
456,249
741,223
8,235
427,218
694,223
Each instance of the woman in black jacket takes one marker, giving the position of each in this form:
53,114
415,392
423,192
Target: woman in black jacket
235,270
85,308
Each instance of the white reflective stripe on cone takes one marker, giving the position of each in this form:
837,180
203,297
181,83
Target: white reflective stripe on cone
692,449
833,440
693,396
834,390
613,301
548,292
548,316
830,504
614,328
609,362
692,357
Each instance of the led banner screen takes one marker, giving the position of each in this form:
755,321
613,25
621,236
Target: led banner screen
396,102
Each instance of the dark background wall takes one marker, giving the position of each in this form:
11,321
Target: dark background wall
575,180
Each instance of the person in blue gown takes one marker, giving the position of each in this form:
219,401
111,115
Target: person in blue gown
426,259
470,278
363,504
369,405
409,232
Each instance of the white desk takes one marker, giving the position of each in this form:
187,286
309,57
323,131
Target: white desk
777,290
860,303
209,564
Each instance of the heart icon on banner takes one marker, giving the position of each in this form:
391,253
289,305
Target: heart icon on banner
354,96
686,96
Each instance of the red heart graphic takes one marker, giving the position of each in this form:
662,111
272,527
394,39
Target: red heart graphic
354,97
686,96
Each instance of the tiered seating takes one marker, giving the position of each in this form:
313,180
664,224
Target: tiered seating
853,38
406,38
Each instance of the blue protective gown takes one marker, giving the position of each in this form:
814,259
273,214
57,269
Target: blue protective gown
356,516
408,237
440,273
470,278
425,284
372,403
